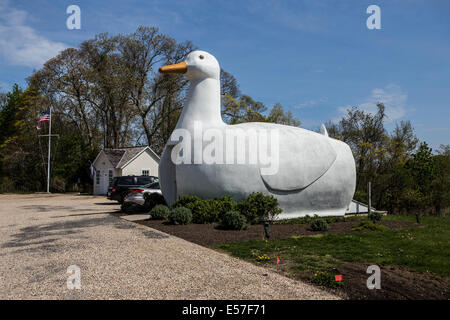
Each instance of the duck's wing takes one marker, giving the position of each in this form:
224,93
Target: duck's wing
304,156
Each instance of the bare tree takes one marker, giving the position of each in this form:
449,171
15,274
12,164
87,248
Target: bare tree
111,91
64,82
153,96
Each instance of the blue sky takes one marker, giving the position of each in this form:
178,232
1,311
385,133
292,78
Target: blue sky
315,57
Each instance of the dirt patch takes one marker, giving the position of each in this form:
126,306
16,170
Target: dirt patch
210,234
397,283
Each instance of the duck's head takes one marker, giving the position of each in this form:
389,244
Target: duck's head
198,65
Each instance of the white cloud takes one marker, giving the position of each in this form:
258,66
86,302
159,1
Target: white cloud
21,44
311,103
393,98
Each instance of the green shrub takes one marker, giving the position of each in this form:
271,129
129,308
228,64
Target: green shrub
332,219
206,211
258,206
215,210
180,215
152,200
299,220
325,279
367,225
305,219
225,204
309,219
160,212
319,225
203,211
233,220
375,216
184,201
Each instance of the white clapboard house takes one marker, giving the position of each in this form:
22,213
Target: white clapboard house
111,163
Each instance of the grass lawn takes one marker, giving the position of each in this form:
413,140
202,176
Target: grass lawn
425,248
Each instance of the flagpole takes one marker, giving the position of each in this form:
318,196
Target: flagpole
49,147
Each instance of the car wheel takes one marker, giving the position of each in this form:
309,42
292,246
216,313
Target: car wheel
124,207
122,198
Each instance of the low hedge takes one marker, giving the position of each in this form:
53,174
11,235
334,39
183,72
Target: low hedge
160,212
233,220
185,201
256,207
319,225
180,215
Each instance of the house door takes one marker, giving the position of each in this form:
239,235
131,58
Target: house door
98,182
104,182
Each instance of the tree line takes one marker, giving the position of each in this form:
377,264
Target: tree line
107,93
405,174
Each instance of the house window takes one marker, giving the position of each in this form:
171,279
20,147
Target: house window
110,176
97,177
145,172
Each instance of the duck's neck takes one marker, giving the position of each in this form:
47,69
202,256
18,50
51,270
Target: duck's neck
202,105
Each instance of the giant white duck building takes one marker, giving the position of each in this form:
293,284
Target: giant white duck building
308,172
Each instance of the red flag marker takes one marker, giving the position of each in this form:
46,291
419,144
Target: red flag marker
338,277
278,260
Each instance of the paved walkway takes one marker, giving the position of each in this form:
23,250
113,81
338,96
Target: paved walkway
42,235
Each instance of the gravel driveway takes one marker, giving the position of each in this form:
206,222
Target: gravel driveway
42,235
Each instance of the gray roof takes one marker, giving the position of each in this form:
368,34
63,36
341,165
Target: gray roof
114,155
130,153
119,157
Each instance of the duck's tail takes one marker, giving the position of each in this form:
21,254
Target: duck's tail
323,130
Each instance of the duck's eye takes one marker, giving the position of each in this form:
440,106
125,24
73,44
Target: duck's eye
201,57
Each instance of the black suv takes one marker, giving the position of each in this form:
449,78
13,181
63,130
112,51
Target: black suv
120,185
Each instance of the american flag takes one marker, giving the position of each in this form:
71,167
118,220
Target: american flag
44,118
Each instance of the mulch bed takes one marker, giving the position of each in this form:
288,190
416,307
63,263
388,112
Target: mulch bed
210,234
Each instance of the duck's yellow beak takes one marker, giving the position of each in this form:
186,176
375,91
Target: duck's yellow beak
174,68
